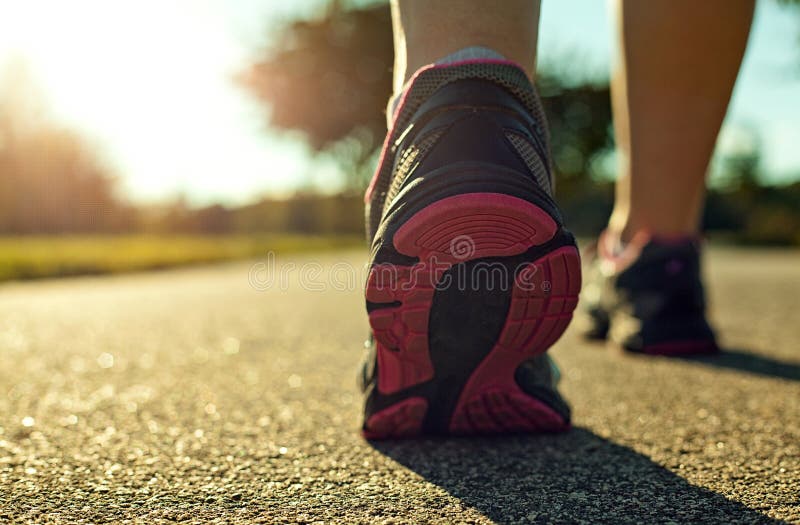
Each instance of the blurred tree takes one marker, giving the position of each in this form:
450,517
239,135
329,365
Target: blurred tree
50,180
582,142
330,78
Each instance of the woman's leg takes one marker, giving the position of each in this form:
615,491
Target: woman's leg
428,30
670,92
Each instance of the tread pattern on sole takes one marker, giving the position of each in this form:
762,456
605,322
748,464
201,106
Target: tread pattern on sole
403,419
401,331
453,230
544,297
474,225
498,410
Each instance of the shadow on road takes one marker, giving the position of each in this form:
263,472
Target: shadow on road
745,361
578,476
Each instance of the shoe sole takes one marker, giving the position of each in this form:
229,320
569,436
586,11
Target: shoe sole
682,348
595,329
423,387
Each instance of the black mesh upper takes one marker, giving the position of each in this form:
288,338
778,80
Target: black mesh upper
391,171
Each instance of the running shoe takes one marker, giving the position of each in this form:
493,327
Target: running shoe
472,274
649,297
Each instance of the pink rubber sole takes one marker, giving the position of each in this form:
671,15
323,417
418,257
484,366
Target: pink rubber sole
474,225
459,229
541,309
402,419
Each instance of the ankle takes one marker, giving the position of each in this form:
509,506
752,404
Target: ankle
461,55
627,228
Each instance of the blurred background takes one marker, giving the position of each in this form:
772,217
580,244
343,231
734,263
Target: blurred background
155,133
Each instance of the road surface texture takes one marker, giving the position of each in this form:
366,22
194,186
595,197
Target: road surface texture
210,395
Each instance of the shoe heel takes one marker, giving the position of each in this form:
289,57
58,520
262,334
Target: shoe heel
451,231
542,303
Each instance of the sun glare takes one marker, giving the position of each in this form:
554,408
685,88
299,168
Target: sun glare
150,84
150,81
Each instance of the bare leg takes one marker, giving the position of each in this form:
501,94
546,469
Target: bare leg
670,93
427,30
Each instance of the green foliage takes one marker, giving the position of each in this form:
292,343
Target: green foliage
346,117
330,78
314,80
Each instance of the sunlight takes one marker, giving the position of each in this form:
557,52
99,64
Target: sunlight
89,53
150,82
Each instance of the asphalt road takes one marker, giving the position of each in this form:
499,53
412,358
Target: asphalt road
208,396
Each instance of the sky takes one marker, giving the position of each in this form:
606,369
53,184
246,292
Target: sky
767,93
150,84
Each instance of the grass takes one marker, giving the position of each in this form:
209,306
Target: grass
37,257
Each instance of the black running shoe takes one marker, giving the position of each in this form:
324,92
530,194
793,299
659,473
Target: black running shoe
472,274
649,298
